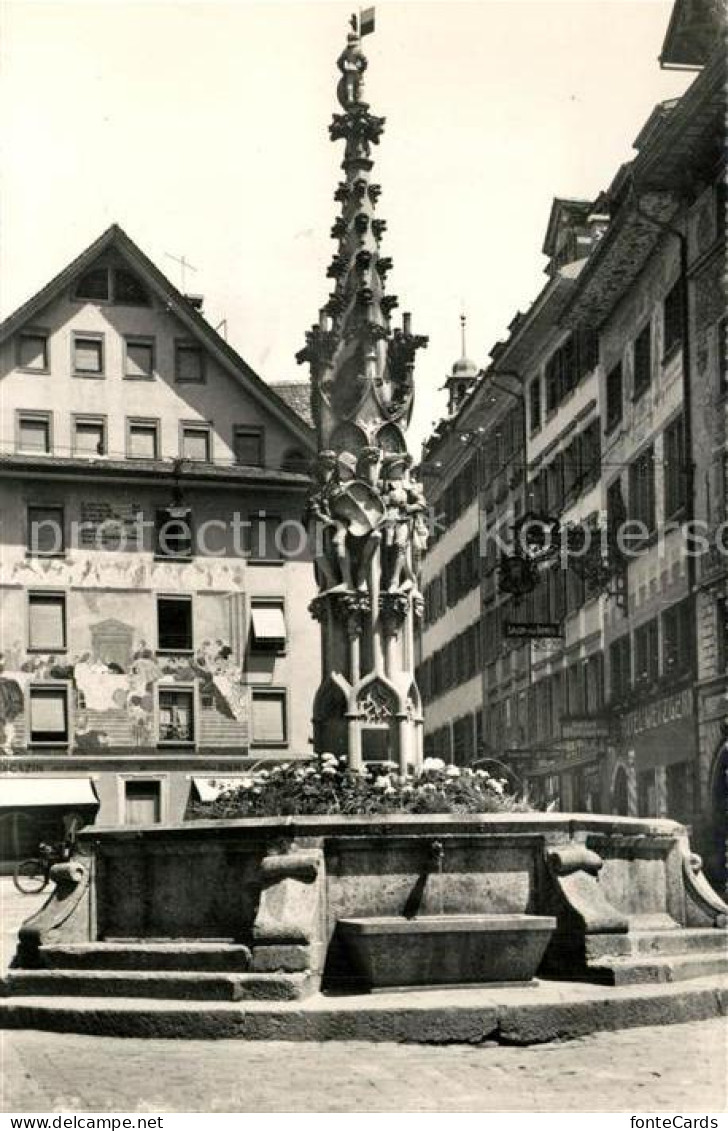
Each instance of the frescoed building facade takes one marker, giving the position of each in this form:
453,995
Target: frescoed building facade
154,577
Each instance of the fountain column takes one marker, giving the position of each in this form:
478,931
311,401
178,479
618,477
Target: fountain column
367,510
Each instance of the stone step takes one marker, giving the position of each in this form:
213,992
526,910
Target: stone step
219,957
630,971
701,940
158,984
521,1015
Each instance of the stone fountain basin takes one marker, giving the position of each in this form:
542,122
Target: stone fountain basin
438,950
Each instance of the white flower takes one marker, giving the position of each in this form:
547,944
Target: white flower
496,786
247,783
452,772
432,765
330,771
329,759
382,782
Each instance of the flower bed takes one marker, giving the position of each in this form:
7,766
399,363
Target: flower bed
326,785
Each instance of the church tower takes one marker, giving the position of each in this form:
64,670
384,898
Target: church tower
464,375
367,513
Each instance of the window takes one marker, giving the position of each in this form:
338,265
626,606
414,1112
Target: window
616,510
587,350
142,439
189,362
173,533
534,400
176,707
672,315
576,689
642,489
620,667
106,284
49,715
94,284
268,625
674,467
594,680
677,639
591,453
646,654
34,432
248,445
553,382
196,442
270,724
129,289
142,802
614,397
46,531
174,624
643,361
88,355
139,358
33,351
89,435
46,622
264,538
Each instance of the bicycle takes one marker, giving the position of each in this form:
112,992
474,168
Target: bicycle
32,876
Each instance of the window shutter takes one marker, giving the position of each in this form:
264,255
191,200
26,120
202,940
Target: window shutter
46,623
269,718
48,712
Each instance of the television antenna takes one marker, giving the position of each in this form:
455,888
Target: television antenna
185,266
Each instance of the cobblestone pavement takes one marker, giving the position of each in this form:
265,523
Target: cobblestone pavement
675,1068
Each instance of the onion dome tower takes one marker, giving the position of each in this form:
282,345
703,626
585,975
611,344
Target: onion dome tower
367,511
464,375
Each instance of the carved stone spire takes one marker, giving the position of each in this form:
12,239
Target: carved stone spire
367,509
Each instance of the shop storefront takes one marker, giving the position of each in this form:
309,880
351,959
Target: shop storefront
655,758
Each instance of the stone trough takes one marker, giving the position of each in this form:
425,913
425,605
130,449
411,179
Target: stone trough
289,909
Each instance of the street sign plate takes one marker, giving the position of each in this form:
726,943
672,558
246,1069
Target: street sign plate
531,630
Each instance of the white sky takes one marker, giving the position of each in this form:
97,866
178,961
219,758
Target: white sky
202,128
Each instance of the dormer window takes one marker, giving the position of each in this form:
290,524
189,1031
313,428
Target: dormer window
112,284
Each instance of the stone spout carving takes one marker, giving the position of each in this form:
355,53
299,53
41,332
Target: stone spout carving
288,927
703,906
575,869
66,914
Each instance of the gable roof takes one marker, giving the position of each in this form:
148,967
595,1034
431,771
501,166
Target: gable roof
231,361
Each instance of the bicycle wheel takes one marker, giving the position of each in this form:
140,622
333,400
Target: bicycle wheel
30,877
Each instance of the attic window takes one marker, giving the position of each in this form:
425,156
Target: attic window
128,289
112,284
94,284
